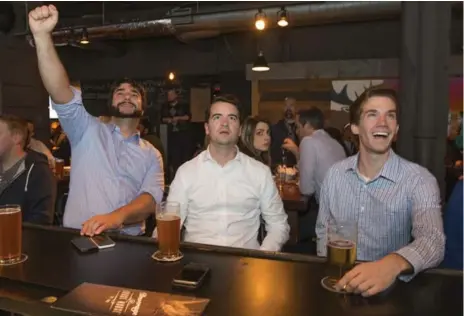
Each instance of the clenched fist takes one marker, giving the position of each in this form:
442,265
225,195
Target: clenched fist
43,19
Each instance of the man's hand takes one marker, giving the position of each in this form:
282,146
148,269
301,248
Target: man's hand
371,278
42,20
100,223
290,145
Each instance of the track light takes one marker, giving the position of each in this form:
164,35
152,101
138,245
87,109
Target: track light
282,18
84,37
260,63
260,20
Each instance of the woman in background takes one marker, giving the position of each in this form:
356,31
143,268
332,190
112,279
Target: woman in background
256,139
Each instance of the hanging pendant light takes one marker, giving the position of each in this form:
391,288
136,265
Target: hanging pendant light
260,63
84,37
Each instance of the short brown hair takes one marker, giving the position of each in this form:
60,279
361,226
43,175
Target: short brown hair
17,125
357,106
226,98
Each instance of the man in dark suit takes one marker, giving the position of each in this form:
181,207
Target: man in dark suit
285,128
177,115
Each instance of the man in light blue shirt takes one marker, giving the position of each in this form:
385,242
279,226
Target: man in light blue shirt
395,203
116,177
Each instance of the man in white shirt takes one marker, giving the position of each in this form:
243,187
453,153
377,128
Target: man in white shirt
223,192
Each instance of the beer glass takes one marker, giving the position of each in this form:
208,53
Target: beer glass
11,235
168,229
341,250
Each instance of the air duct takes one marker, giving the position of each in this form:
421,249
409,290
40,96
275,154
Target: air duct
202,25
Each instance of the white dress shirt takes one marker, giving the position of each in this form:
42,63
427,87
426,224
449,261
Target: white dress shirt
222,205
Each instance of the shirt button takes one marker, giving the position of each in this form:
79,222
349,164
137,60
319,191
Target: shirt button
362,208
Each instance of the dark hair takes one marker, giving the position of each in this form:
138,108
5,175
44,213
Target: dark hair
19,126
136,85
226,98
312,116
357,107
246,143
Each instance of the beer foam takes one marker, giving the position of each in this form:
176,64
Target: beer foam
8,211
167,217
341,244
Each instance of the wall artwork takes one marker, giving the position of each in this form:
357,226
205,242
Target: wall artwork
345,92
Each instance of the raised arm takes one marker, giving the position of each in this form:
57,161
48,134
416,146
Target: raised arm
42,21
67,101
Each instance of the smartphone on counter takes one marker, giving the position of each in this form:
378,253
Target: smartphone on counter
103,241
191,276
87,244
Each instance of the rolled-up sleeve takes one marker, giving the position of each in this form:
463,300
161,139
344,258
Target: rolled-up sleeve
272,210
428,248
153,182
73,117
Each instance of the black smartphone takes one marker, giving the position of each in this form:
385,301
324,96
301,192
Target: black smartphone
191,276
90,244
84,244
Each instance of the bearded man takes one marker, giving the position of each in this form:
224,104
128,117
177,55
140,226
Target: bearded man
116,177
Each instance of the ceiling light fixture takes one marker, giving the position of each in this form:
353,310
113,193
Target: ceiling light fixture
282,18
260,63
84,37
260,20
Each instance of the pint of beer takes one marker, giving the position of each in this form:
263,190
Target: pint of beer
168,228
341,250
10,234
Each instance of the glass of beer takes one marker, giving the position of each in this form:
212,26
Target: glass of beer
168,230
341,251
11,235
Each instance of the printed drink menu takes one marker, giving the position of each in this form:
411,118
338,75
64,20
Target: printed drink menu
95,299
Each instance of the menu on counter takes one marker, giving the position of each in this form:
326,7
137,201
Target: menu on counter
95,299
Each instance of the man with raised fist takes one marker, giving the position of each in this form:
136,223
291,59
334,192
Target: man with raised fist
116,177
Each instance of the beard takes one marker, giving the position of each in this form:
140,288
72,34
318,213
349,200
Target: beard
114,111
289,115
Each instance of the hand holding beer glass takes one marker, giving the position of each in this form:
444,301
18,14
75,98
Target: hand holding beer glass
341,251
168,229
11,235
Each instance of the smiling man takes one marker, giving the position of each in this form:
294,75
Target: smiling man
116,177
393,201
223,192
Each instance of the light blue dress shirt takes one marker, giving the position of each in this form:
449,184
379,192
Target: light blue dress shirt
398,211
108,171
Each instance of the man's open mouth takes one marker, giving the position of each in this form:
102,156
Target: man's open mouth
381,135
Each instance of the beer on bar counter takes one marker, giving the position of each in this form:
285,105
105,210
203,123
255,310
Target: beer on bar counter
11,235
168,229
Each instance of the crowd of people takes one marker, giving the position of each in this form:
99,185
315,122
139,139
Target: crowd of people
227,190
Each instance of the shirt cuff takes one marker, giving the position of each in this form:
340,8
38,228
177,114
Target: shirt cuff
416,261
68,108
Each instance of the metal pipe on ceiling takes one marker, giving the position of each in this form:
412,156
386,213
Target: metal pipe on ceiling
211,24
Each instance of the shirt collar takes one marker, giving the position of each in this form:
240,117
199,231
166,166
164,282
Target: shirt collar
389,170
208,157
135,138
